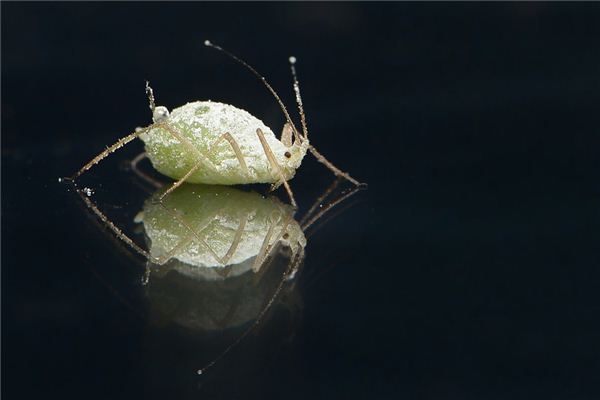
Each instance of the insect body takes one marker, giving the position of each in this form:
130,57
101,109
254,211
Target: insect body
221,144
211,142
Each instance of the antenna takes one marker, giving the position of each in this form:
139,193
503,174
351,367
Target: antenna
293,60
150,94
208,43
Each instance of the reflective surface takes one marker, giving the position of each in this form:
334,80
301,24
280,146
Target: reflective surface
468,269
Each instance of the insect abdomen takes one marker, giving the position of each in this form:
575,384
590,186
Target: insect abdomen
194,130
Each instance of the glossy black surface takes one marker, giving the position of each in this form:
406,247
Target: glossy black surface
468,269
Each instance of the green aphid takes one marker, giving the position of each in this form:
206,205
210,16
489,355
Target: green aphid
216,143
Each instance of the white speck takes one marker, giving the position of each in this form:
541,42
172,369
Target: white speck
59,180
292,60
88,192
199,372
207,43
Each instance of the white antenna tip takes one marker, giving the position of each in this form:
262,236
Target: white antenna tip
207,42
292,60
199,372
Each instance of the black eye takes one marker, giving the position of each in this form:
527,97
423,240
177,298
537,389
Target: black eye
286,235
287,154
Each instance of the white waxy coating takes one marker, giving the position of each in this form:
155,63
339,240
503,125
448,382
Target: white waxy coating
202,123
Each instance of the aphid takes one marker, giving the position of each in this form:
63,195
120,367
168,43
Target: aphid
216,143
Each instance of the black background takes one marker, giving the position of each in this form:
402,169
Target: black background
468,269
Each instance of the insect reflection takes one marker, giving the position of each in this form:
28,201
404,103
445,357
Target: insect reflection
210,252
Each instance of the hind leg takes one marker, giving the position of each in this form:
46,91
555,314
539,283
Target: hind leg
120,143
202,159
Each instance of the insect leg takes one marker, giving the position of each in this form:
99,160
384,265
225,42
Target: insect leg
171,253
266,248
122,236
236,240
147,178
338,172
202,159
120,143
329,206
263,248
196,232
275,165
318,202
236,149
179,182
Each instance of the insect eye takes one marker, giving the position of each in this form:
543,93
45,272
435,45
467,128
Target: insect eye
287,154
286,235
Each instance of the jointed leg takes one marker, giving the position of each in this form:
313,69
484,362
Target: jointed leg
236,240
317,203
175,185
266,247
236,149
275,165
179,246
144,176
305,224
332,167
195,233
202,159
120,143
199,229
260,258
187,144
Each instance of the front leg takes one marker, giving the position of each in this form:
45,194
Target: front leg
275,166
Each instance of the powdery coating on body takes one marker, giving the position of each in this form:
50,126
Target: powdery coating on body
202,123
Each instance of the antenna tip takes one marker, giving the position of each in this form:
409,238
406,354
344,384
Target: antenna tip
292,60
207,42
199,372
